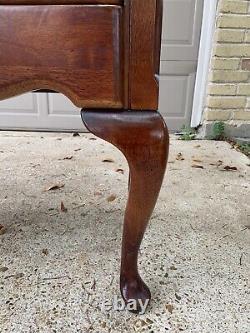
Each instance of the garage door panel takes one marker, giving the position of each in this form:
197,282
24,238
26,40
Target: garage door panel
181,29
178,67
176,97
178,33
180,47
32,112
61,110
33,123
61,105
26,103
173,92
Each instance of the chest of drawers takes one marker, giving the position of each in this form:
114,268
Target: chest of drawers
104,55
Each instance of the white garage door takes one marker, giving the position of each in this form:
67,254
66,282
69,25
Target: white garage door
181,35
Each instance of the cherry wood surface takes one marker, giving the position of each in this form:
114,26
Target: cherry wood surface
143,138
98,56
61,2
104,55
75,50
145,34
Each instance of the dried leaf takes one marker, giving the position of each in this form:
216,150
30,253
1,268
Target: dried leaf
17,276
34,165
63,208
197,166
66,158
230,168
120,171
45,252
54,187
97,194
111,198
180,157
218,163
2,229
3,269
197,160
197,146
173,268
108,160
170,308
241,259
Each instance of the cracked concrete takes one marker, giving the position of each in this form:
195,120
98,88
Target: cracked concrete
60,249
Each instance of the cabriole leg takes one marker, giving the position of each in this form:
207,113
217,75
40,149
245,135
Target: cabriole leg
143,138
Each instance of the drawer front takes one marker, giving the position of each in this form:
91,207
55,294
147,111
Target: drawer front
73,49
59,2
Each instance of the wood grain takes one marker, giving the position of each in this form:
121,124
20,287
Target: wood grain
72,49
60,2
98,56
145,32
143,138
104,58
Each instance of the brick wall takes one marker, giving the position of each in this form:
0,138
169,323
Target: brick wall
228,97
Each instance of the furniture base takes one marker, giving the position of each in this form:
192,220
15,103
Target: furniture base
142,137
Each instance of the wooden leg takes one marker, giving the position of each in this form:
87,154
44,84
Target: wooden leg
143,138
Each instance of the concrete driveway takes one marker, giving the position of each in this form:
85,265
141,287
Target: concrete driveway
61,215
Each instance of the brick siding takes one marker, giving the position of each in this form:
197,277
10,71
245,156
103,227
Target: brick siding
228,97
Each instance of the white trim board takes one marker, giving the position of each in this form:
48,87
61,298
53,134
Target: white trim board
206,44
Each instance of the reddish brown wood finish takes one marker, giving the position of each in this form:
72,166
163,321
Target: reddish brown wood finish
143,139
76,50
61,2
99,56
103,57
145,33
